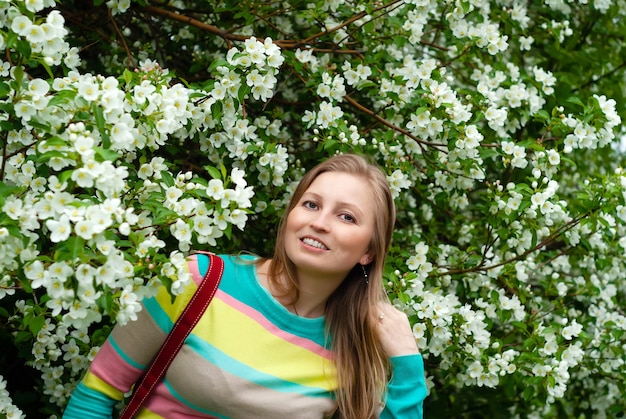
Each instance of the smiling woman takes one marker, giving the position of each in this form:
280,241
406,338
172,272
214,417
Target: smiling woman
345,204
329,230
307,334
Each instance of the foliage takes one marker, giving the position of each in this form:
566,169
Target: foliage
135,131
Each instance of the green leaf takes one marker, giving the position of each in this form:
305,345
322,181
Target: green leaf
466,5
6,190
62,97
575,100
44,157
218,63
488,152
213,172
39,125
244,90
71,249
216,111
23,47
167,177
529,344
6,126
26,284
4,90
329,144
11,39
107,154
542,116
228,231
363,84
83,116
105,302
18,74
520,325
22,336
127,76
529,393
167,283
99,336
36,323
98,113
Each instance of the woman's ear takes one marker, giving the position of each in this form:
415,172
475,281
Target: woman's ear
366,259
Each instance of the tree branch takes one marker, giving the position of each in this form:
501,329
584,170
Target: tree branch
282,43
194,22
552,237
388,124
131,60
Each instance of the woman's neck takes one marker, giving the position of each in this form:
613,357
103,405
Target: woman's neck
312,296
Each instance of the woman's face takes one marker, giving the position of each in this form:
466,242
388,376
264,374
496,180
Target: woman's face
330,228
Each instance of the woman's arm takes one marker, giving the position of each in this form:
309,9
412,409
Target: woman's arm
120,362
127,352
87,402
110,375
407,389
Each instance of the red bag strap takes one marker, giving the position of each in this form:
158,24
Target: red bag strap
176,338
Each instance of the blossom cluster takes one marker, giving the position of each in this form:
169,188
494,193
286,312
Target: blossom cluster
77,186
7,408
508,251
46,38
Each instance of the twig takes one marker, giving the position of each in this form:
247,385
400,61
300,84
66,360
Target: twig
552,237
131,60
388,124
282,43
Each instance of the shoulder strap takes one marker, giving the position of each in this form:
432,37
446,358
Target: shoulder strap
174,341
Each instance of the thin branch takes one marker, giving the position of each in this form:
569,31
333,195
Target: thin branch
282,43
385,12
194,22
552,237
610,73
268,22
4,157
78,20
337,51
388,124
131,60
346,23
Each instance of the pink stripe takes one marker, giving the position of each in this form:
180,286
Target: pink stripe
192,265
165,404
272,328
112,369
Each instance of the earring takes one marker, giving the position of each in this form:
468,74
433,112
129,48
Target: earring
367,280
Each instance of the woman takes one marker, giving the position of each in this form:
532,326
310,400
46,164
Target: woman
306,334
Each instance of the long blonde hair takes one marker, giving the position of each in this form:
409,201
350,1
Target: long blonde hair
362,366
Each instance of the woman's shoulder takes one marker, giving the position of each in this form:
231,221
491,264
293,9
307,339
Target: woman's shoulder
198,264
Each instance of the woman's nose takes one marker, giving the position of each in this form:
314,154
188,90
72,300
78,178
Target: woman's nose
320,221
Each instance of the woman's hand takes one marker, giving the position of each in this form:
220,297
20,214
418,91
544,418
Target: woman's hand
394,331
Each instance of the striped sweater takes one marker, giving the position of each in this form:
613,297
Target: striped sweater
248,357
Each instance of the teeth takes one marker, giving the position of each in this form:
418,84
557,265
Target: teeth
314,243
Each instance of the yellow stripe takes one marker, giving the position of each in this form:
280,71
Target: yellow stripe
146,414
97,384
237,335
173,309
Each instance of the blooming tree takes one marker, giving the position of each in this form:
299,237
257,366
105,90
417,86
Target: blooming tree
134,132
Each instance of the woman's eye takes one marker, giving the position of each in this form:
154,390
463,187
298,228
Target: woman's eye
348,218
310,205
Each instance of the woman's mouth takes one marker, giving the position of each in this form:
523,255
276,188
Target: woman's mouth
314,243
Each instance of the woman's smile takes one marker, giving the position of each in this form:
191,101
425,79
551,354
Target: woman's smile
312,242
330,229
